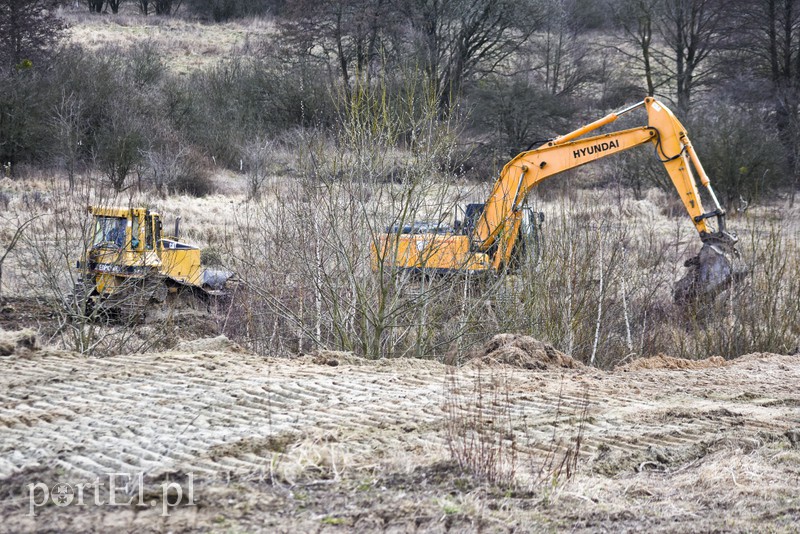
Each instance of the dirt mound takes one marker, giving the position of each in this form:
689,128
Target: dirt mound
334,358
210,344
524,352
12,342
668,362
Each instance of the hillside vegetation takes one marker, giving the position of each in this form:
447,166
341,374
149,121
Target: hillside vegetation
287,135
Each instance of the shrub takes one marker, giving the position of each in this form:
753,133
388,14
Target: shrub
223,10
23,119
193,177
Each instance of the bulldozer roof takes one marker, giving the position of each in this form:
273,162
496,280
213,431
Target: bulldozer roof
108,211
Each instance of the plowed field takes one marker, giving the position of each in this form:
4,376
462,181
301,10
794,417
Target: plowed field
338,443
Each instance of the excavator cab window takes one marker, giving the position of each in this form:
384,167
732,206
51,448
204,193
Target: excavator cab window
471,214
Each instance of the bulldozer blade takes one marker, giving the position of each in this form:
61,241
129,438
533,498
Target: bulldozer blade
710,273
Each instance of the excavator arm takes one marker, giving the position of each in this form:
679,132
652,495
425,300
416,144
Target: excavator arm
498,226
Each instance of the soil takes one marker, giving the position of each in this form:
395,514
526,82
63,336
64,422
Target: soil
668,362
524,352
18,313
303,445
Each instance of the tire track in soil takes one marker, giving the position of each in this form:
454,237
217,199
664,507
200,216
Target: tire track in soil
190,412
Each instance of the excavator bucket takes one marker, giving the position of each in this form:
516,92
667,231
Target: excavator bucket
712,271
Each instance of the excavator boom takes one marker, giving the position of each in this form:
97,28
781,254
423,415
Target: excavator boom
529,168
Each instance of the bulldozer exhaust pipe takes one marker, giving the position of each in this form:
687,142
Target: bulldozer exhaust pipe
177,227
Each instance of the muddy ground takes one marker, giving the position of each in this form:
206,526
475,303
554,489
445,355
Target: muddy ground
331,442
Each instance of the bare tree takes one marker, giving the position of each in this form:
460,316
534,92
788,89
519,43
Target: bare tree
674,42
118,146
114,5
768,42
159,7
67,123
165,165
637,19
457,39
564,61
167,7
257,154
96,6
692,31
452,39
20,224
348,35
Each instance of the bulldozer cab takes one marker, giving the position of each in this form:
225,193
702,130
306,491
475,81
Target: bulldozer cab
109,232
152,230
131,230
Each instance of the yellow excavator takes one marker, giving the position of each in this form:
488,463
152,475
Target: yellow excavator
129,266
490,238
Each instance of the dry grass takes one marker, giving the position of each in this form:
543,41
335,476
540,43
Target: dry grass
727,489
272,242
188,45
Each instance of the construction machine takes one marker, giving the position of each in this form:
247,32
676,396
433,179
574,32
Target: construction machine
493,233
130,265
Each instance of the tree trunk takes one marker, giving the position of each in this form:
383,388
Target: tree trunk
96,6
773,41
342,57
646,34
680,63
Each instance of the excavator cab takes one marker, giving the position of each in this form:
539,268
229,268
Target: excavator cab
528,246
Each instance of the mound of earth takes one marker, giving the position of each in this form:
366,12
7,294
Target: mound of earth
757,356
524,352
334,358
668,362
11,342
211,344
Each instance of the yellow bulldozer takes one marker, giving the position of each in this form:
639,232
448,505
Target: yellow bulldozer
130,267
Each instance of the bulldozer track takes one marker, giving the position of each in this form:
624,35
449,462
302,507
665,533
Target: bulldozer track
188,412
